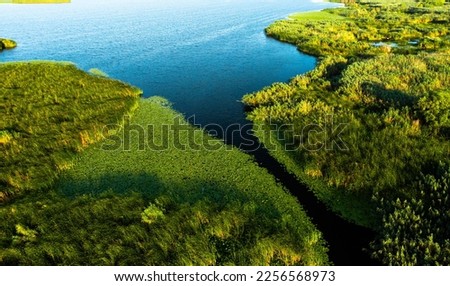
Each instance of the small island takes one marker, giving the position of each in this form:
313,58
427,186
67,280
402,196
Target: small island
6,44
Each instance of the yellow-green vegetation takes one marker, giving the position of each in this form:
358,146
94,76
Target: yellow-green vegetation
50,111
97,72
141,198
368,130
394,2
323,15
366,30
6,44
396,114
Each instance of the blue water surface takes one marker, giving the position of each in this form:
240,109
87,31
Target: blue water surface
203,55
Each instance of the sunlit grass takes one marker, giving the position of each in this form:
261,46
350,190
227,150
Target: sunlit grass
139,206
355,31
50,111
324,15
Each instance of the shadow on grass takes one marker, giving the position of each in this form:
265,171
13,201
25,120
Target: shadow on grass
151,187
101,222
395,98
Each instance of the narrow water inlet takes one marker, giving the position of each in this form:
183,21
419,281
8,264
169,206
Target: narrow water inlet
348,243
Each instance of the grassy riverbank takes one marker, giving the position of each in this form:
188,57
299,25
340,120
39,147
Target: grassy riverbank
368,129
160,192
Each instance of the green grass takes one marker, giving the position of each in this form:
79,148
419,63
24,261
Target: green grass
134,205
396,114
323,15
357,208
50,111
353,31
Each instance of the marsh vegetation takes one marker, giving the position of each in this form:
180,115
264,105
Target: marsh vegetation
389,161
353,31
138,206
51,111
